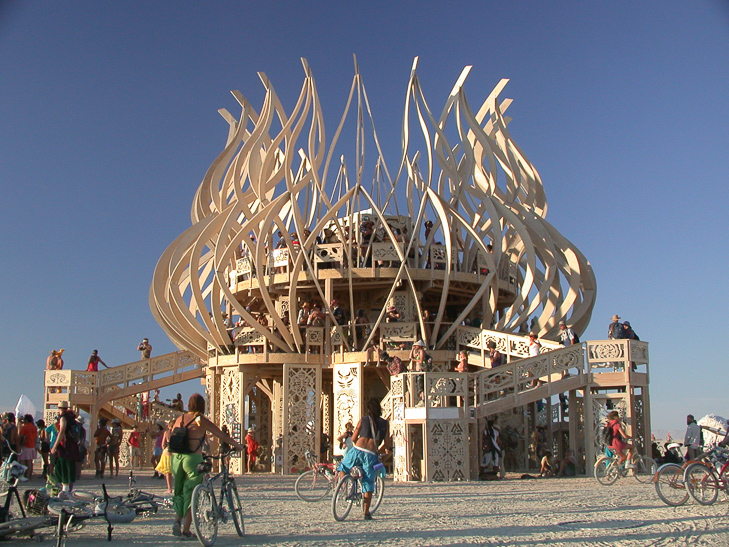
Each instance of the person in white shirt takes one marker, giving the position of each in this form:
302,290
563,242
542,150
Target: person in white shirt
692,439
566,334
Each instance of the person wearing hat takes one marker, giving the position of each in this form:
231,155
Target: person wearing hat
392,315
145,347
615,329
114,444
628,332
566,334
251,450
66,449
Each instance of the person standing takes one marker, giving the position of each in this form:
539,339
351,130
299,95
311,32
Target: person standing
27,440
9,434
94,361
692,439
369,437
164,468
135,452
251,450
494,356
157,434
534,346
628,331
45,447
184,465
101,437
146,348
115,439
566,334
51,434
66,449
83,447
615,329
491,445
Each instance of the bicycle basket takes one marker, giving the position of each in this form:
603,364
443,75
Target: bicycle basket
35,502
356,472
205,467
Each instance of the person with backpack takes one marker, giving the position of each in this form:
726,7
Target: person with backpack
616,331
66,449
9,436
614,437
185,445
693,438
567,336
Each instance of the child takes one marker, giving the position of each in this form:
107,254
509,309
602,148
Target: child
546,468
462,361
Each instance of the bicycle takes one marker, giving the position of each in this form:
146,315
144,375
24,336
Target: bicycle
348,492
207,510
318,481
703,479
608,468
669,479
11,474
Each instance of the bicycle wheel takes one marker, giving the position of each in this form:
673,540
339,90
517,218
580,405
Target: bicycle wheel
377,494
27,524
702,483
235,507
343,498
644,470
669,485
204,514
606,471
312,485
56,506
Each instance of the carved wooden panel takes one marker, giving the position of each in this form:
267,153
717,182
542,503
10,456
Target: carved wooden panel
302,389
231,409
347,394
448,450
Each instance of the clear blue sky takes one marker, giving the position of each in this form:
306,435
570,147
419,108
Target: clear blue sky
108,122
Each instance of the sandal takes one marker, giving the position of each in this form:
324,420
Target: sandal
176,529
187,535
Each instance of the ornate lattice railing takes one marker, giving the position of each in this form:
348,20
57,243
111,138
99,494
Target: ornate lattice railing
616,354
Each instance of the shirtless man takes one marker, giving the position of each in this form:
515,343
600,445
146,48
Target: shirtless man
368,438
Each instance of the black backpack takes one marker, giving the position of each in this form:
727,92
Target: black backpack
607,435
179,441
575,339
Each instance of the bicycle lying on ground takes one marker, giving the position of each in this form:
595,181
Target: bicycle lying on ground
207,510
608,468
318,481
348,492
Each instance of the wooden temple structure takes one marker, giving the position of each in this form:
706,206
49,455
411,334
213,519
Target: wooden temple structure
299,268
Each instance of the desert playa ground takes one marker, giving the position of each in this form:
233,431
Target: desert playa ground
558,512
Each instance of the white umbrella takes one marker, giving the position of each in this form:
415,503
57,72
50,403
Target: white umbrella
24,406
